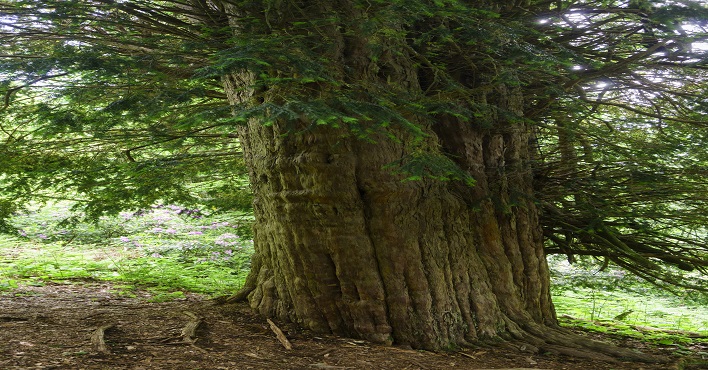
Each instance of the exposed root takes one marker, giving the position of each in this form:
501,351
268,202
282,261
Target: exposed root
240,296
649,329
189,330
97,339
249,285
575,352
564,342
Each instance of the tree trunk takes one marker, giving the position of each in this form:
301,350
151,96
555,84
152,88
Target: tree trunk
344,246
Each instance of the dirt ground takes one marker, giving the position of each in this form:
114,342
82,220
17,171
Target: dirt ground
59,327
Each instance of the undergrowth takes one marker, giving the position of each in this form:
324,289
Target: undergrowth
611,301
169,251
166,249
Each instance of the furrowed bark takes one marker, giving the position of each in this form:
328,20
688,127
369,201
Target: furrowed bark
344,246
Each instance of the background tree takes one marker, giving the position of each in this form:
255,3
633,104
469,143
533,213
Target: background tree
406,157
112,117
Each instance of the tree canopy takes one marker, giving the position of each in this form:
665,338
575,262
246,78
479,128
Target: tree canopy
119,104
113,116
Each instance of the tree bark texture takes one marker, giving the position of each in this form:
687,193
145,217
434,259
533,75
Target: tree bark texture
344,246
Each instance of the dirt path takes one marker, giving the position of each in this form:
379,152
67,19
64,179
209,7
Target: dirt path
55,327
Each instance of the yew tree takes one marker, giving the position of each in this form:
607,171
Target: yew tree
407,159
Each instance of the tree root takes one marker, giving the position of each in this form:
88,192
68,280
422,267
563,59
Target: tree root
189,330
579,353
240,296
248,286
97,339
563,342
526,335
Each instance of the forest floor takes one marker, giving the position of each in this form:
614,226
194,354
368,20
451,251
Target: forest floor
90,325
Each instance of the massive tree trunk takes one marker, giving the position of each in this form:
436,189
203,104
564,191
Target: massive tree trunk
344,246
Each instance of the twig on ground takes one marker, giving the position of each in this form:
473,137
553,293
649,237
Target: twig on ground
279,334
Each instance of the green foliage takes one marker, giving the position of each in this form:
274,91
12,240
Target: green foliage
614,302
118,132
621,171
591,274
680,341
431,166
166,249
636,197
119,105
582,291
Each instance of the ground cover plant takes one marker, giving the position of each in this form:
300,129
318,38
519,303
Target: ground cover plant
167,249
613,302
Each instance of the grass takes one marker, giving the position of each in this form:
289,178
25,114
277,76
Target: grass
614,302
166,249
660,312
169,251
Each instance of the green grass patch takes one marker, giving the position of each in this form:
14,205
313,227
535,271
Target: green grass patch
658,311
678,339
613,302
168,249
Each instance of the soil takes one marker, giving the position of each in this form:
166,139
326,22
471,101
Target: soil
63,326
